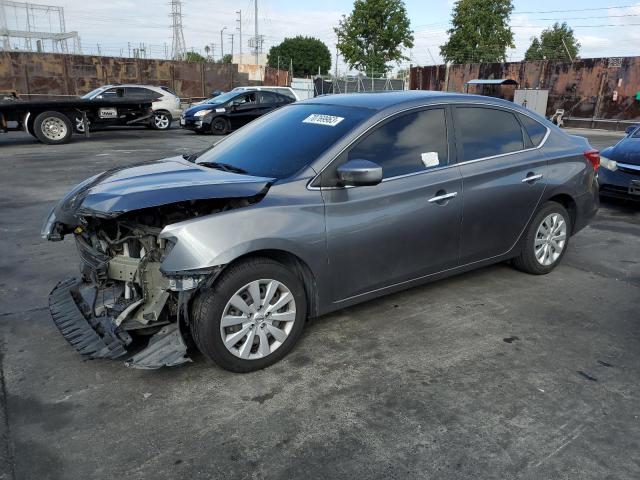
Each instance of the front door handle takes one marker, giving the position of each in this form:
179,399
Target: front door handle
442,197
531,178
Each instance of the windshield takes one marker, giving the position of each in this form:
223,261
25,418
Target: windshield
636,134
282,143
225,97
93,92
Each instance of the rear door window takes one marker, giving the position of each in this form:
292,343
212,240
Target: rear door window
267,98
140,93
409,143
486,132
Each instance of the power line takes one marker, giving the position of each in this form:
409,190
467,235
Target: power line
580,9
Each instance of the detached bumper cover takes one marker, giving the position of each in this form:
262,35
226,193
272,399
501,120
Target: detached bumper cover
93,337
99,337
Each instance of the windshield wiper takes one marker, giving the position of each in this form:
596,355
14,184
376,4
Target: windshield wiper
224,166
190,157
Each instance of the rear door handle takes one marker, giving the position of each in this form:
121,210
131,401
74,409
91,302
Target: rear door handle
531,178
443,197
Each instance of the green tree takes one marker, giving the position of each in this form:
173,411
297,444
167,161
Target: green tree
534,52
554,43
374,34
228,58
480,32
194,57
306,54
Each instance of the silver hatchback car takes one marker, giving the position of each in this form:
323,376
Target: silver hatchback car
317,206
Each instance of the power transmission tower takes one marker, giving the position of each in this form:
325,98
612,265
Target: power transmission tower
257,39
178,48
239,28
35,18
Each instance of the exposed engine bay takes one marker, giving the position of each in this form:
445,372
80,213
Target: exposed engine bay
123,294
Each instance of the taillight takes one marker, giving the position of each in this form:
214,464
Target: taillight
594,157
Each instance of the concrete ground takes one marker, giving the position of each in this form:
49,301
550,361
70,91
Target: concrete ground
489,375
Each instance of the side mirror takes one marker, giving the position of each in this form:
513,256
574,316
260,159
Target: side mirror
631,129
358,173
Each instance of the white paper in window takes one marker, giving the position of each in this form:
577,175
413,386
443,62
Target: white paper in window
430,159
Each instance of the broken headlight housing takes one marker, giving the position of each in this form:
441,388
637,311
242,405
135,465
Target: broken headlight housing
48,231
186,282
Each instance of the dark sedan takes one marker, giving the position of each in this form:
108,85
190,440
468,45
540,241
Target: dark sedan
229,111
620,172
317,206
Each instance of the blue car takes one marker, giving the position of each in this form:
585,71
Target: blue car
619,174
229,111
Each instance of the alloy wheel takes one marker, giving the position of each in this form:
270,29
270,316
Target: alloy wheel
79,125
219,125
258,319
161,121
550,239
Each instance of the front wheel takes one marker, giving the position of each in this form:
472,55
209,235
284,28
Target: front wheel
251,317
161,121
220,126
546,240
80,125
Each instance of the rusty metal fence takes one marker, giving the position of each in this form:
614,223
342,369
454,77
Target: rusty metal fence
590,88
50,74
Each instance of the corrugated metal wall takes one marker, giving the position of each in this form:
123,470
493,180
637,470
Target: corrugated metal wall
592,87
58,74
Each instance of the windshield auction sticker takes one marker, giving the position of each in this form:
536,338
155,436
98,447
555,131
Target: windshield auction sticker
319,119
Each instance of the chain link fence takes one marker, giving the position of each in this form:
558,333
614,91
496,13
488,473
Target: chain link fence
329,84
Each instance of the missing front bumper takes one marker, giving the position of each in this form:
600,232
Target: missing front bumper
100,337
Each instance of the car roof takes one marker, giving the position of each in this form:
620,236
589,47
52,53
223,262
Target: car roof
134,85
383,100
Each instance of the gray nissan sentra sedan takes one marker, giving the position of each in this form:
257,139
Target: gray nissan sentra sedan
319,205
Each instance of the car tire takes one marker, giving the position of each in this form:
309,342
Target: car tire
161,121
220,126
52,128
546,240
261,340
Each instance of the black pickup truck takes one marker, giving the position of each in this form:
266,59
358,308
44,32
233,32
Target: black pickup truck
54,121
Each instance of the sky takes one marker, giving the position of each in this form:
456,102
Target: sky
604,28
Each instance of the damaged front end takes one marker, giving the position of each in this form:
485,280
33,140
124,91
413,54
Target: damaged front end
122,294
123,304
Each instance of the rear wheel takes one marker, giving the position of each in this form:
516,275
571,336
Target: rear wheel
161,120
251,317
220,126
52,128
546,240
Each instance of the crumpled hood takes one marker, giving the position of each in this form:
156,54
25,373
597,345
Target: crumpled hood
157,183
626,150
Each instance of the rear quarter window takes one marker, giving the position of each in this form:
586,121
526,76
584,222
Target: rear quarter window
534,129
